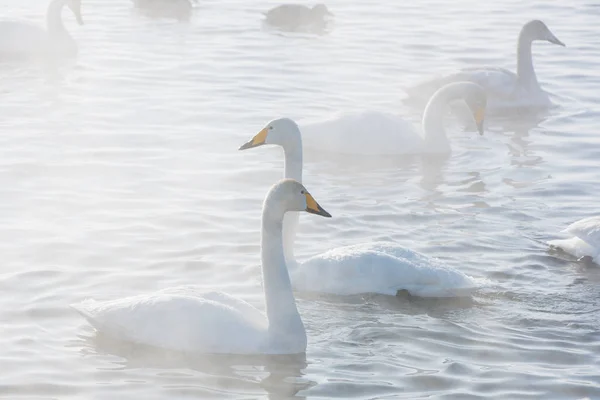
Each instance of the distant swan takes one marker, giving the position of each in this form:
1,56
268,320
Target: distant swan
296,16
23,40
505,89
378,267
178,9
585,241
375,133
185,319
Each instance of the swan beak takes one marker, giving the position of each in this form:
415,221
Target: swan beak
257,140
554,39
479,116
313,207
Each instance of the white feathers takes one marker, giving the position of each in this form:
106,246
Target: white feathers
373,133
506,91
383,268
19,40
586,240
186,319
179,319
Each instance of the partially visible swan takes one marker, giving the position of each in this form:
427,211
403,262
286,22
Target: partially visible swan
23,40
185,319
585,240
296,16
178,9
376,133
376,267
505,89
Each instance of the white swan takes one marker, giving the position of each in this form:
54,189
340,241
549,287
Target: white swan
505,89
376,133
585,240
366,268
23,40
185,319
296,16
177,9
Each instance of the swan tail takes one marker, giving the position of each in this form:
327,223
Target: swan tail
574,246
87,310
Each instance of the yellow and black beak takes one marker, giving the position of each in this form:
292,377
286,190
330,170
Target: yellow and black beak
257,140
313,207
479,116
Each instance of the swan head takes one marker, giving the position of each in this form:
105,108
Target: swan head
75,7
283,132
291,195
537,30
320,10
476,99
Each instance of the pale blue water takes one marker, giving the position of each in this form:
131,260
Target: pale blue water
119,174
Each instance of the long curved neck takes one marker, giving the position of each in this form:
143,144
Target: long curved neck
280,303
293,159
293,170
434,133
54,18
525,71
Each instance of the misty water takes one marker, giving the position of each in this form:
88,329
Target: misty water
120,175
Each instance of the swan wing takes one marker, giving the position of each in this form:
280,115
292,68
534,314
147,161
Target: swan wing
587,229
575,246
180,320
497,82
218,297
380,268
365,133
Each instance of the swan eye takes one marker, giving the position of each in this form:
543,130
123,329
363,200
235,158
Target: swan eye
302,192
270,128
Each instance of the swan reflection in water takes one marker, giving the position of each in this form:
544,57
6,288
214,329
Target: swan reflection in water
281,376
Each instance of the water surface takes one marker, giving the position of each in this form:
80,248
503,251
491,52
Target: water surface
119,175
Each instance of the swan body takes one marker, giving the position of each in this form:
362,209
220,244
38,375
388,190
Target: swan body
506,90
186,319
295,16
585,240
374,133
203,322
23,40
177,9
382,268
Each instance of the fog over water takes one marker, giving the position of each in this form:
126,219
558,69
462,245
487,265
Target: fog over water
120,175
